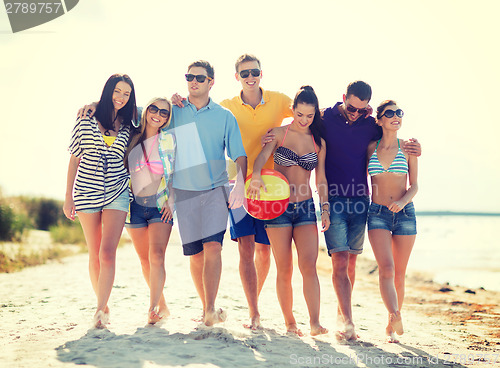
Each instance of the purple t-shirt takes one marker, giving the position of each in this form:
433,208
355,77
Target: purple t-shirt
346,147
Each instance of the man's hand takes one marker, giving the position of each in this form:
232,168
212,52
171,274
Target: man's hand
268,137
87,109
237,196
177,100
413,147
369,111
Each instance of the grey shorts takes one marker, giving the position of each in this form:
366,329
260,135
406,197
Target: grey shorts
202,217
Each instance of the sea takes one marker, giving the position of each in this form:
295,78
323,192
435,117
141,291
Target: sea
456,248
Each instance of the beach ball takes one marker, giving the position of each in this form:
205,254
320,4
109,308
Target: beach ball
271,203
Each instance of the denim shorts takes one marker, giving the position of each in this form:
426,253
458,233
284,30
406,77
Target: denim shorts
202,217
296,214
120,203
242,224
143,211
347,224
403,222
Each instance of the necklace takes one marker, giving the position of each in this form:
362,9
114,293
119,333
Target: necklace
106,132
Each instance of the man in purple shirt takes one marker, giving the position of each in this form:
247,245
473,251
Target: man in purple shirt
349,129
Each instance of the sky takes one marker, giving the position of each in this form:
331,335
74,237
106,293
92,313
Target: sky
438,59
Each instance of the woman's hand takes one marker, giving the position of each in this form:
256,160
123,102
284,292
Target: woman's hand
253,191
396,206
166,212
69,209
325,221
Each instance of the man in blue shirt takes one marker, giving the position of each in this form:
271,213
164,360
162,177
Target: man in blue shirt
204,131
349,129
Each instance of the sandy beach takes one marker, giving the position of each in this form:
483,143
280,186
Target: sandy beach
46,314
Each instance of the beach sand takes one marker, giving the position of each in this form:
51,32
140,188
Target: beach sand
46,314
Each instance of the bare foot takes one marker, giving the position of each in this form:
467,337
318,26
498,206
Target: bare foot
154,317
106,315
99,319
349,334
163,311
254,323
293,329
391,338
396,322
214,317
318,330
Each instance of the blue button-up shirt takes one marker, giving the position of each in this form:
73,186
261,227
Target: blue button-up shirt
202,139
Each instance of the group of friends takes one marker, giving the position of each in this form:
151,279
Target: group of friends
134,169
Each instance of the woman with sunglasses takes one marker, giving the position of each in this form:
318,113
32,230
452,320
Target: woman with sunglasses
298,149
100,193
391,217
150,160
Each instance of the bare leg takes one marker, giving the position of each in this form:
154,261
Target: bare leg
262,264
159,233
381,241
212,268
351,273
140,239
402,246
196,267
92,229
113,221
343,289
248,275
281,245
306,242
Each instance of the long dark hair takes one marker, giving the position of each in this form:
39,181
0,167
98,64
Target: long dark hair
306,95
105,109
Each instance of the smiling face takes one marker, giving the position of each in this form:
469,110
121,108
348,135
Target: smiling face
156,120
121,95
393,123
355,102
303,115
197,89
250,83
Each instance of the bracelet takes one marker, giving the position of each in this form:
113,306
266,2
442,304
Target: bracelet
327,211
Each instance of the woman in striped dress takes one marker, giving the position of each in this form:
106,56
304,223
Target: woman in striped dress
150,159
98,183
391,217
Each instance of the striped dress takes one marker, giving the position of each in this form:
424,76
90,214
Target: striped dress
101,176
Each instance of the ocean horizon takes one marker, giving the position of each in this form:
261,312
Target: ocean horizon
455,248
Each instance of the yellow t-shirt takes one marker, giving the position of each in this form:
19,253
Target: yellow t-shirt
254,123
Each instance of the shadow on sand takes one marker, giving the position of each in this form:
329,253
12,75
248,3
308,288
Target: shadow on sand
221,348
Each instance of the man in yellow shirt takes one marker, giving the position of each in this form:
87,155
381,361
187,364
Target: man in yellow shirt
256,111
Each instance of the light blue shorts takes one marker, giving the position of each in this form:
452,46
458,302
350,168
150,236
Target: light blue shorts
399,223
121,203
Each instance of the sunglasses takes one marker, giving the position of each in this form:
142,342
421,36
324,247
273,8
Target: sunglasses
246,73
390,113
199,78
153,109
352,109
